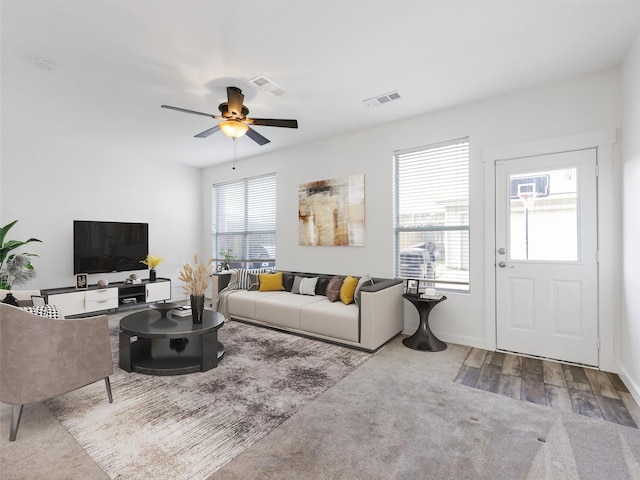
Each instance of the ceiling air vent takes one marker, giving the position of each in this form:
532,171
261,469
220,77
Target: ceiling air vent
382,99
265,84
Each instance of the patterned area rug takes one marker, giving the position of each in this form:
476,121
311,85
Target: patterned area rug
188,426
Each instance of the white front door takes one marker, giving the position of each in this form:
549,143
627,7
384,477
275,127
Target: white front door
546,256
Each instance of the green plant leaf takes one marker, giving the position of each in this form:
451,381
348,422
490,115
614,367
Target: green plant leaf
9,245
5,229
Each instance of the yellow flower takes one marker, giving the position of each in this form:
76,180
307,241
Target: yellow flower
152,261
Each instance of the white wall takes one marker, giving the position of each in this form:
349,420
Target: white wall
588,103
49,182
630,323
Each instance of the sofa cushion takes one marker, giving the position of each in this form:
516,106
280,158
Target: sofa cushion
242,303
308,286
348,289
283,310
333,289
330,319
270,282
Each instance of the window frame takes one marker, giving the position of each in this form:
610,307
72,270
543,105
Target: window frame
399,228
246,233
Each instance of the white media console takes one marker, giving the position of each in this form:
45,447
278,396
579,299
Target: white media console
71,301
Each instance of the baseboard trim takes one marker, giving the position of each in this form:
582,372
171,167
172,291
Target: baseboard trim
457,339
634,388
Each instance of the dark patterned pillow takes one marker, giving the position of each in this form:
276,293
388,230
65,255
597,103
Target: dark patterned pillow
254,282
333,289
244,277
49,311
321,286
287,280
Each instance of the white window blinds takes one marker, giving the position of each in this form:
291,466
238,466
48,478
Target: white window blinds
431,211
244,220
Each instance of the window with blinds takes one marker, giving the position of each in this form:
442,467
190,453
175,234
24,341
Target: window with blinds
244,221
431,210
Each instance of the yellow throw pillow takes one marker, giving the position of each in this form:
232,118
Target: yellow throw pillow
348,289
270,282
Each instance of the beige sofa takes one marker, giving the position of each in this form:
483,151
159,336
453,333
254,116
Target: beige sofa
377,318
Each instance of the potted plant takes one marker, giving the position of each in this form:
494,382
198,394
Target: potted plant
152,261
196,280
15,269
227,255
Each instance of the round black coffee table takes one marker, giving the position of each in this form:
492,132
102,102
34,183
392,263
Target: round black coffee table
154,344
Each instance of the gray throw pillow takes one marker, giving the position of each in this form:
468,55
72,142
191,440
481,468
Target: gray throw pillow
296,284
363,282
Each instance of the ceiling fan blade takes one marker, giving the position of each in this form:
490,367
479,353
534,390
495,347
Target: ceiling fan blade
235,97
256,137
208,132
273,122
188,111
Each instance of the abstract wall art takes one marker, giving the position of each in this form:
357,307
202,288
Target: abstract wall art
331,212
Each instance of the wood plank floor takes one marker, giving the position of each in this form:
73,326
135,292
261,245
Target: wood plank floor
593,393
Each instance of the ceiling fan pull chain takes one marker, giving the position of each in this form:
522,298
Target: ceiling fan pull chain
235,153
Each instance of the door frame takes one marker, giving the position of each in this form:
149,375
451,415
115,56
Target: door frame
609,212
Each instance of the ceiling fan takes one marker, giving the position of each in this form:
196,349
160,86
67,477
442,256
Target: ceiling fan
235,122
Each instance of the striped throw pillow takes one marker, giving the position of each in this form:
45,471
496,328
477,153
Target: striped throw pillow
244,277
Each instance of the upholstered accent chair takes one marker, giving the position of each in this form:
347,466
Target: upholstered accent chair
41,358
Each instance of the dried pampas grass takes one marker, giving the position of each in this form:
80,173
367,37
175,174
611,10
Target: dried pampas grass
196,279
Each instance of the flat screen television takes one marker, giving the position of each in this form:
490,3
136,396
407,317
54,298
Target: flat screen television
102,247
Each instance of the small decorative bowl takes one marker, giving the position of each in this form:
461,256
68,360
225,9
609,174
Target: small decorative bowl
163,307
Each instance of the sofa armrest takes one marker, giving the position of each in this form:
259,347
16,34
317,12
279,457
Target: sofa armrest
381,312
381,284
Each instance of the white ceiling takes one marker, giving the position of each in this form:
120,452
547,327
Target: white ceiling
116,62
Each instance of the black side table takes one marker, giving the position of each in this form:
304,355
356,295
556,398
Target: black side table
424,339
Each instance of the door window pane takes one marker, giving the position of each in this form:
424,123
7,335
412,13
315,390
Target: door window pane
543,216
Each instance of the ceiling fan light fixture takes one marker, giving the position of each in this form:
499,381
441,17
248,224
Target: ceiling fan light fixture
233,128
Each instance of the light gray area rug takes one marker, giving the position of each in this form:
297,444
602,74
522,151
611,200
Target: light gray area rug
188,426
401,416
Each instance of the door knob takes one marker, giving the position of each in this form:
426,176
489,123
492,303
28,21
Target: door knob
502,251
502,264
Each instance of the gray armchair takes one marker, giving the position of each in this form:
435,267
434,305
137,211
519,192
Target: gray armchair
41,358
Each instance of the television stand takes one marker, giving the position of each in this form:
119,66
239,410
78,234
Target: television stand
71,301
143,292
